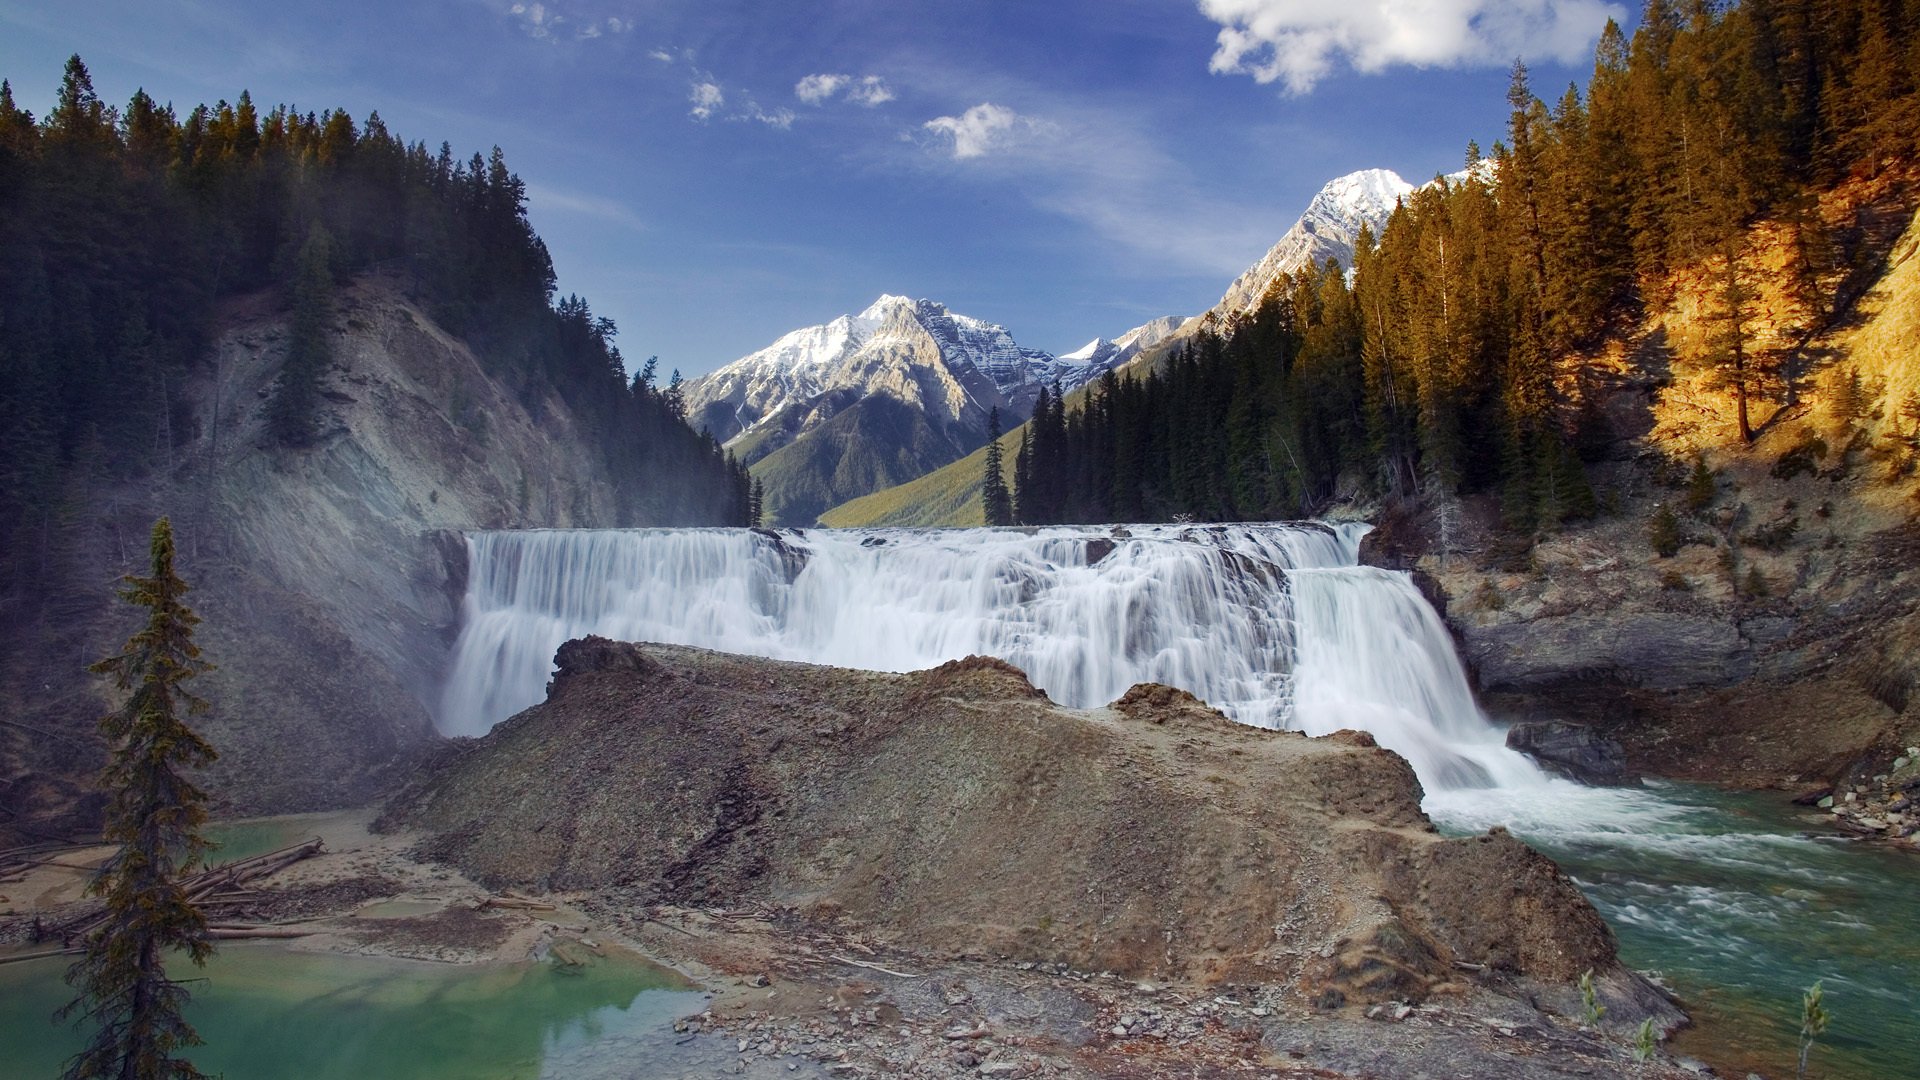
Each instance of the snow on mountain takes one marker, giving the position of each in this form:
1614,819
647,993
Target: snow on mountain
1327,230
1100,354
953,366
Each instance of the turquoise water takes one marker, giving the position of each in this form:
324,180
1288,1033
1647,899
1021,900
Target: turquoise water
236,840
1740,901
267,1013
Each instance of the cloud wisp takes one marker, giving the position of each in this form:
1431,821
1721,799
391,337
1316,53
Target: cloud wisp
984,129
1299,42
543,198
704,98
542,21
866,90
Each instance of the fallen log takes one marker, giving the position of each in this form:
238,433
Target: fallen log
23,957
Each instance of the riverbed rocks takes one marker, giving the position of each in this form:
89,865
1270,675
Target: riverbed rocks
957,812
1884,805
1574,751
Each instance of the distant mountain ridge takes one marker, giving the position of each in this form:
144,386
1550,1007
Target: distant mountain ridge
832,412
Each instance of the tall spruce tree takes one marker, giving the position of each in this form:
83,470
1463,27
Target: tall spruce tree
995,501
292,415
154,816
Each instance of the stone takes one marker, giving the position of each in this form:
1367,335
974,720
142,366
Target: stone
1901,763
1574,751
1826,802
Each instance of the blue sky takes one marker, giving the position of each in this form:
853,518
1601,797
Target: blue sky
714,173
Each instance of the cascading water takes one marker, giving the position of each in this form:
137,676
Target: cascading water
1276,626
1273,624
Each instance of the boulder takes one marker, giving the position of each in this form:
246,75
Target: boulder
1574,751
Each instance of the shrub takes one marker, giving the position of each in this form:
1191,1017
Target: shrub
1663,532
1774,536
1801,459
1701,486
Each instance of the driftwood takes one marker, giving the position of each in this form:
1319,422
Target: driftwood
203,886
875,967
516,902
237,933
42,955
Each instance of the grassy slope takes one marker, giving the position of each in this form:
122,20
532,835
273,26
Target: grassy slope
874,444
950,495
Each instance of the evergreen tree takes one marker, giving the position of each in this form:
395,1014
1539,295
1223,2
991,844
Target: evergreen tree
1729,351
996,502
292,414
154,816
757,505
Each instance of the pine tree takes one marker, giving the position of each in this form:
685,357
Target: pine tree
292,414
996,503
1730,352
756,505
154,815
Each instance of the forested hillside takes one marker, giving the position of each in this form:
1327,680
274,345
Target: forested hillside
123,229
1459,356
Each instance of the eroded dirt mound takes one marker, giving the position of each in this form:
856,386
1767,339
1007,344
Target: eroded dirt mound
958,812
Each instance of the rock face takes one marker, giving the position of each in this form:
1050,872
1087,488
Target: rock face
328,578
1574,751
957,811
1654,650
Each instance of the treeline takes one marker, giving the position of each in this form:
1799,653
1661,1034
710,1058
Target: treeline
1451,363
121,228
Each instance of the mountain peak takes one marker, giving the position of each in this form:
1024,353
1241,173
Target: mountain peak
885,306
1327,230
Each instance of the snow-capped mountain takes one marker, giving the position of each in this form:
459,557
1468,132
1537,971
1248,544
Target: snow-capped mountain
866,401
1327,230
952,366
1101,354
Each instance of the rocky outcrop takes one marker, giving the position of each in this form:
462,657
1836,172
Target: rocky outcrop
958,811
1574,751
1654,650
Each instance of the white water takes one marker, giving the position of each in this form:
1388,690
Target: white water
1273,624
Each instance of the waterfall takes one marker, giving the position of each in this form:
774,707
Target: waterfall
1275,625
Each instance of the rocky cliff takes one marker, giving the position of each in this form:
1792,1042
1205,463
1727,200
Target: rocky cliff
328,577
957,812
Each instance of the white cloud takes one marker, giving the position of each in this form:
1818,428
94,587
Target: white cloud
778,118
537,19
706,98
870,92
983,129
817,89
867,90
1298,42
661,55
